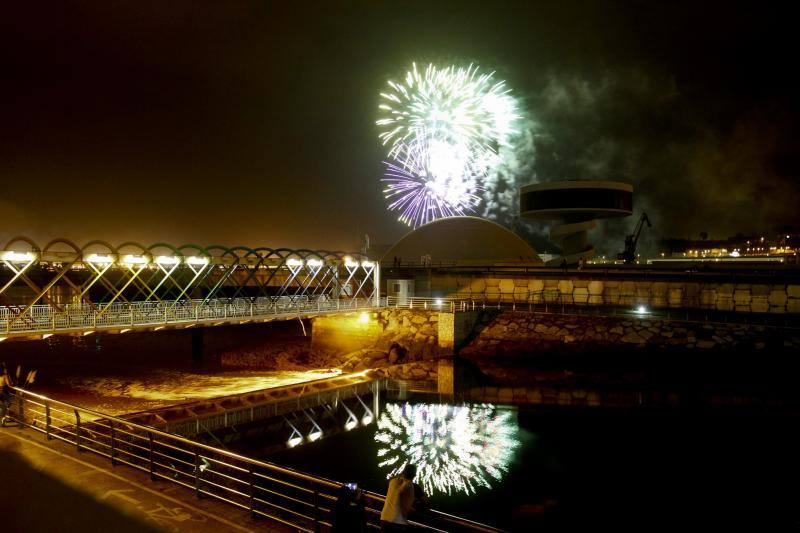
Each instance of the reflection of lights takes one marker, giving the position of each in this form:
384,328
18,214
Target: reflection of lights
641,310
363,318
85,333
18,257
455,448
367,420
47,336
3,338
294,441
349,263
314,435
126,330
350,424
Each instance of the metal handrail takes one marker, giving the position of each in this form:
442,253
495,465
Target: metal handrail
83,317
238,480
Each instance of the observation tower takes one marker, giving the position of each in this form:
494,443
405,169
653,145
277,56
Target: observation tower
575,206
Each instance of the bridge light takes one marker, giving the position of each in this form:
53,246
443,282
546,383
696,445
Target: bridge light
18,257
3,338
100,258
47,336
88,332
641,310
349,263
363,318
314,435
195,260
438,301
167,260
294,262
131,259
314,263
367,264
294,441
367,420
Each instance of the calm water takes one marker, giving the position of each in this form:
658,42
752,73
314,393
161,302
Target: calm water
633,471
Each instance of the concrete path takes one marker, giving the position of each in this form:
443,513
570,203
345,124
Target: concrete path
49,486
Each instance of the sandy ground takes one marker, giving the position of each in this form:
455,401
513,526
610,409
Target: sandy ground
119,391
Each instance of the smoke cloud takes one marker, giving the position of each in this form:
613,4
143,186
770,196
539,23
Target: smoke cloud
695,168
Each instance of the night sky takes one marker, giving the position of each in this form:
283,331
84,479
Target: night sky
253,122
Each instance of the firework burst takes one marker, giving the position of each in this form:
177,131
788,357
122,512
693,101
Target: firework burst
442,127
455,448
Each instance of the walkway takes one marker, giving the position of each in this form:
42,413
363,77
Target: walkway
51,487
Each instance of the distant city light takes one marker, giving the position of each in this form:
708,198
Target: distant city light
455,448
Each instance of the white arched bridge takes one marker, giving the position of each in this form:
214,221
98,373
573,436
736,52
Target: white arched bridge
65,288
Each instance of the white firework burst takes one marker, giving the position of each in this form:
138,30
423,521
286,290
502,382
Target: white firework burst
443,127
455,448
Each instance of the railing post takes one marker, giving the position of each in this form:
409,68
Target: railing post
251,307
21,411
316,509
252,492
196,474
150,455
47,420
113,443
130,308
77,429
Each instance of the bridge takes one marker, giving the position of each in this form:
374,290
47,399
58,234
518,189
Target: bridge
69,289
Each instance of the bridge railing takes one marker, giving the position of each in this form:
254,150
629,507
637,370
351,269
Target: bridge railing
299,500
46,318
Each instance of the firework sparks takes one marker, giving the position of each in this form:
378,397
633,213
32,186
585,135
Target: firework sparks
442,127
455,448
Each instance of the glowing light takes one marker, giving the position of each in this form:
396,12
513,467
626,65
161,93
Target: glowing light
315,435
126,330
18,257
455,448
167,260
438,301
293,262
195,260
443,127
314,263
367,264
294,441
134,260
367,420
85,333
363,318
641,310
47,336
3,338
100,258
350,424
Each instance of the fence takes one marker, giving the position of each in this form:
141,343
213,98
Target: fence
45,318
296,499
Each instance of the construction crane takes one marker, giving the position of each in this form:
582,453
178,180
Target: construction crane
629,254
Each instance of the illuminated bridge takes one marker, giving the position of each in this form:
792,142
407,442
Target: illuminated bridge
69,289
